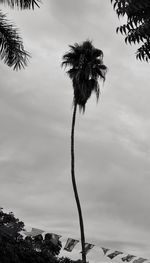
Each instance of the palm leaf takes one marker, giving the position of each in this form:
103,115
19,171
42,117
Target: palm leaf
11,47
21,4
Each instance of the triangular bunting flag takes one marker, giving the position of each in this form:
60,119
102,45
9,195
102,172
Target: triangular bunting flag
70,244
34,232
27,233
105,250
128,258
139,260
88,247
114,254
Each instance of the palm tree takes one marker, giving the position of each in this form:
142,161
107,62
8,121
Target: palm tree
12,51
86,66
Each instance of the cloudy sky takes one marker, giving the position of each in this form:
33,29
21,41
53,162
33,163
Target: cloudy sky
112,137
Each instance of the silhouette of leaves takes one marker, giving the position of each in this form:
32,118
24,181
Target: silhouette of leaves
85,63
22,4
137,27
11,46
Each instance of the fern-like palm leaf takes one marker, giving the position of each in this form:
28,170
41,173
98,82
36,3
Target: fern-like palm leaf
11,46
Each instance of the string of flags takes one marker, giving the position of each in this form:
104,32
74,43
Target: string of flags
71,243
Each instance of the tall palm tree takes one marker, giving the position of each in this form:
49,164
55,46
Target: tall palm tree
86,66
12,51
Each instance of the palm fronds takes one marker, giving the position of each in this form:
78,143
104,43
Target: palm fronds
21,4
85,63
11,46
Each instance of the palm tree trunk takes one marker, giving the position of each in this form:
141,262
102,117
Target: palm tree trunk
75,186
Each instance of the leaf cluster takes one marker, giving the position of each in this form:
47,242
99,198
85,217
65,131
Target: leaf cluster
12,51
21,4
85,63
16,249
44,245
137,27
11,46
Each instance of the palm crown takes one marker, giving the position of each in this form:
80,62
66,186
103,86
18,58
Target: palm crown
137,27
86,66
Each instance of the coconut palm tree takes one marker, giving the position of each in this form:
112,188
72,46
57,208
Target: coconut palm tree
85,63
12,51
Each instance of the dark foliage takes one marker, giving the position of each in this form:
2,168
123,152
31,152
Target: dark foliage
21,4
86,66
11,46
12,51
137,27
15,249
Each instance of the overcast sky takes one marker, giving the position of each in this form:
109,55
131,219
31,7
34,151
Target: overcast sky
112,137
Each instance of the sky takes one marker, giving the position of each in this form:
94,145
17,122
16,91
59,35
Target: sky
112,138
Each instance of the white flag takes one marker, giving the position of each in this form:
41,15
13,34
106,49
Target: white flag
128,258
105,250
114,254
88,247
27,233
139,260
70,244
34,232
